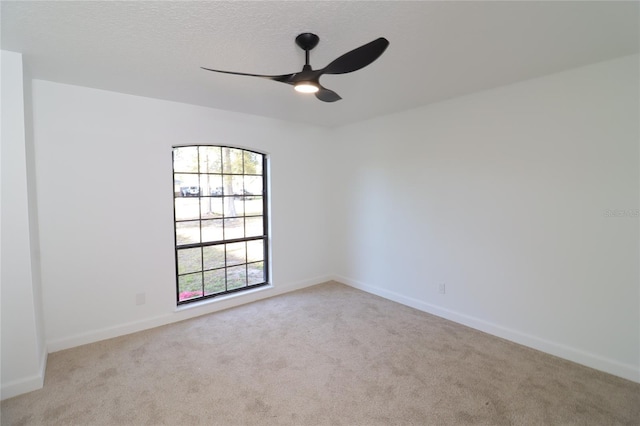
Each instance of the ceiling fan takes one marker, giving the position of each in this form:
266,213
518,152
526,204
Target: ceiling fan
307,80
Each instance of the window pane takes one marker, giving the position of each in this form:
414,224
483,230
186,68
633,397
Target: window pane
237,183
230,206
189,286
213,256
236,253
236,277
231,160
189,260
212,230
252,163
253,185
176,186
256,273
214,281
255,250
227,185
210,159
185,159
254,226
186,185
238,205
233,228
210,207
187,208
211,185
187,232
253,206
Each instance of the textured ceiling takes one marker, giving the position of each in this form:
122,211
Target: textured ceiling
438,50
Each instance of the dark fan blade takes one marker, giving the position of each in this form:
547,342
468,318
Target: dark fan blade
327,95
285,78
357,58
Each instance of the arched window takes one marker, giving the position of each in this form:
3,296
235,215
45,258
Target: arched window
220,211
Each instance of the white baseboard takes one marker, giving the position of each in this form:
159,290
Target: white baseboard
627,371
180,314
26,384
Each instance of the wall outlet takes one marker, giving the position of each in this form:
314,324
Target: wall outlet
442,289
141,298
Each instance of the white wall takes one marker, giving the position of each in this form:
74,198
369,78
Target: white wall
105,193
505,196
23,353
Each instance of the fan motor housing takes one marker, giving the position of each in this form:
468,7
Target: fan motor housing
307,41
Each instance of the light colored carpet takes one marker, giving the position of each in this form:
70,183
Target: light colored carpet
328,354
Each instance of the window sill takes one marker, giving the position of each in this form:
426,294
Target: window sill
220,299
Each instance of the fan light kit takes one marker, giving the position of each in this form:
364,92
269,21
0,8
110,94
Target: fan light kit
306,87
308,80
